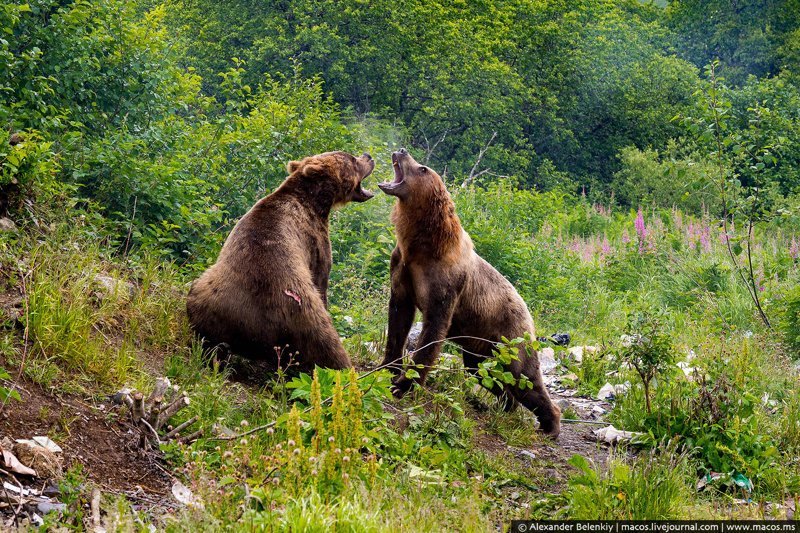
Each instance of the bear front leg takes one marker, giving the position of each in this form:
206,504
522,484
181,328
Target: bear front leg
435,324
401,314
536,399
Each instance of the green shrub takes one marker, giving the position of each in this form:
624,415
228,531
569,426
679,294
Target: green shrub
648,350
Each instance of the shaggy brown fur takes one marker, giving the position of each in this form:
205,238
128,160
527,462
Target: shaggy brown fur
462,297
267,293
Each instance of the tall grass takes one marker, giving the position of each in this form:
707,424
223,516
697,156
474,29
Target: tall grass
89,317
654,486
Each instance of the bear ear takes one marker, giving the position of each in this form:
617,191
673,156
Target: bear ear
294,166
313,168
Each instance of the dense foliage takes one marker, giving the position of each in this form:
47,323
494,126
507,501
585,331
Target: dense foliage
633,168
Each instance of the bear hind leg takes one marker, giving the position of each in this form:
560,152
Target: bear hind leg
504,395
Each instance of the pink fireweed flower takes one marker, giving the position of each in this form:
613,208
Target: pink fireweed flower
625,237
794,248
760,281
605,247
641,230
705,238
587,252
677,218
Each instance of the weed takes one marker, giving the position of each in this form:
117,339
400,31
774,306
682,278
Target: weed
655,486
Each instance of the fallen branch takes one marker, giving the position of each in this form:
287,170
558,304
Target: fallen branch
191,438
95,506
579,421
176,431
172,410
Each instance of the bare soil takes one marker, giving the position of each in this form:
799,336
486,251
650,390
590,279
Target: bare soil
94,435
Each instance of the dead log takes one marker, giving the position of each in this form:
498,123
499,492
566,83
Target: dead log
172,409
151,414
97,525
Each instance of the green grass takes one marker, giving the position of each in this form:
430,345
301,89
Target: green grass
657,486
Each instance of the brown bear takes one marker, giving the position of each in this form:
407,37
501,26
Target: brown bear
434,268
266,296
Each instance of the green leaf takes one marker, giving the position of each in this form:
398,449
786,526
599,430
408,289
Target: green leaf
412,374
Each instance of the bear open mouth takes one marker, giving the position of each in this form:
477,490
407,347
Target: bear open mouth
398,169
361,194
396,187
389,186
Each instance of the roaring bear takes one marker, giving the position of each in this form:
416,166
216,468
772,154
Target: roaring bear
434,268
266,296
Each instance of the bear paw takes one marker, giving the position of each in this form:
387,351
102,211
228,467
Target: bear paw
400,386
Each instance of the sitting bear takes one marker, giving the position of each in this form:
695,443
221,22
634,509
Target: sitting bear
435,269
266,296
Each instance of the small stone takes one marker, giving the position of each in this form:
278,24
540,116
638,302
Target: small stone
527,453
108,286
46,463
48,507
563,404
576,353
51,490
413,336
6,224
547,360
610,392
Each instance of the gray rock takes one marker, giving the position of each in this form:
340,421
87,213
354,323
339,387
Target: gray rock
6,224
108,286
563,404
47,507
547,360
413,336
527,453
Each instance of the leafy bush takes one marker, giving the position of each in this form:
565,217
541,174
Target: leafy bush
650,178
28,166
648,350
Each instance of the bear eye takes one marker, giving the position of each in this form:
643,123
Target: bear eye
423,169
